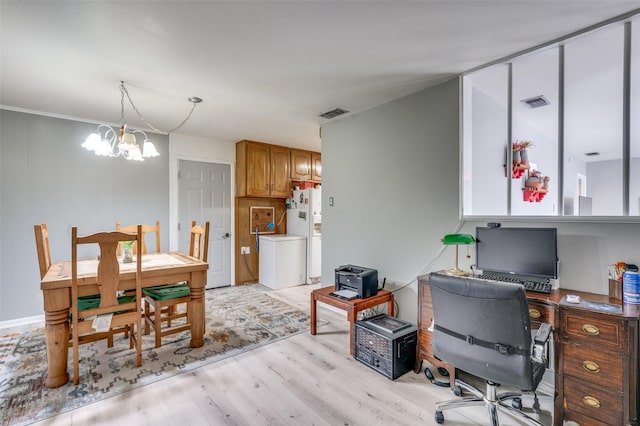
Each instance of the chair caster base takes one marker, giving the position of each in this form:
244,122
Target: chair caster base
516,403
457,390
439,417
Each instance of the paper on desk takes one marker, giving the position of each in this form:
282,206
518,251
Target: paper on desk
346,294
102,323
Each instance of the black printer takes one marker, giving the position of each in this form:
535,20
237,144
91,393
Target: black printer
363,281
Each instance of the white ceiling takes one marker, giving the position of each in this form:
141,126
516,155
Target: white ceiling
265,69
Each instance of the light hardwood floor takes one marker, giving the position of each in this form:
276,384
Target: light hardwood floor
303,380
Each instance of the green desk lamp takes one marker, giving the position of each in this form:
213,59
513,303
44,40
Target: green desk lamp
457,239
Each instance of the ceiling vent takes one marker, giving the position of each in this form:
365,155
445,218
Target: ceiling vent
592,154
333,113
536,101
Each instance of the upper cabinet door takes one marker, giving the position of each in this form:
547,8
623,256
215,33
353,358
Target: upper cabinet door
280,183
300,164
262,170
316,166
258,168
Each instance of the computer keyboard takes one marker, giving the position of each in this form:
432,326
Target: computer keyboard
535,286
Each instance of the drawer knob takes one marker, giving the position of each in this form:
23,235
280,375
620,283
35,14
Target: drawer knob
591,366
534,313
591,329
591,401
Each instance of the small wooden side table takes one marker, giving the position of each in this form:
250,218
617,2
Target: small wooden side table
352,306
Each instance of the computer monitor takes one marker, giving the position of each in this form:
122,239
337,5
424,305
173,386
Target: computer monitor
530,252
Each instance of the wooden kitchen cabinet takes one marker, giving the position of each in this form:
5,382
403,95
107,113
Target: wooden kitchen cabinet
300,164
262,170
316,167
306,165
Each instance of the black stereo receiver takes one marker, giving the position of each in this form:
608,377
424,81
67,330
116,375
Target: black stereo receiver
386,344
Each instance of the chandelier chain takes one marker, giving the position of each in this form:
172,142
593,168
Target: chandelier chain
125,92
122,122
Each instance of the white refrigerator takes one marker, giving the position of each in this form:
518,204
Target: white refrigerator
304,217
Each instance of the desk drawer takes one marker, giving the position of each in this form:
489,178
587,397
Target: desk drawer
592,401
601,367
595,329
541,313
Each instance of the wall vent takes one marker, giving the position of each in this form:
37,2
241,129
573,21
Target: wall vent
536,101
333,113
592,154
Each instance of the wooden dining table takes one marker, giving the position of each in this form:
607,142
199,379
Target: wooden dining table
157,269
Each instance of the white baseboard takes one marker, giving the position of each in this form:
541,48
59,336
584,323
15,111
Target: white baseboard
22,321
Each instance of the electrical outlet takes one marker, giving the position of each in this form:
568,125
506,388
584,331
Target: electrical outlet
245,250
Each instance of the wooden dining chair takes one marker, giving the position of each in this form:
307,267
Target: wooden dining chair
44,261
117,312
145,229
42,247
161,302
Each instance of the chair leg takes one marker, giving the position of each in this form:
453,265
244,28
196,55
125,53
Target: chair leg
493,414
517,414
493,401
157,315
147,314
76,363
171,310
536,403
138,338
472,389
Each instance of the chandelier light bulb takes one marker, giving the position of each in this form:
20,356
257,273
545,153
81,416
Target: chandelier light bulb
92,142
149,149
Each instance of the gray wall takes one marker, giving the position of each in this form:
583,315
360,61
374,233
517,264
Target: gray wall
393,174
47,177
394,171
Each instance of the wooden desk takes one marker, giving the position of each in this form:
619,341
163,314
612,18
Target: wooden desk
352,306
157,268
590,397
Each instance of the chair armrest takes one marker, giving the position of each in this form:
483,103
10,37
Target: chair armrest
540,348
543,333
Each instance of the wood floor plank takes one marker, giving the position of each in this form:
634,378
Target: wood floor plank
302,380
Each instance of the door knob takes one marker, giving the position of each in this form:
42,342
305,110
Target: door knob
226,235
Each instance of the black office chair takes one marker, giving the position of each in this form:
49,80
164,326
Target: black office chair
482,327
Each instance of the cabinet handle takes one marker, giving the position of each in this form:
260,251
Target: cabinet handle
591,329
534,313
591,401
591,366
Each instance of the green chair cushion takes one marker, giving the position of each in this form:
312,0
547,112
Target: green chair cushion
93,301
167,292
88,302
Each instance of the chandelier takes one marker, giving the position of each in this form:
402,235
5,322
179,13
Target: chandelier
113,142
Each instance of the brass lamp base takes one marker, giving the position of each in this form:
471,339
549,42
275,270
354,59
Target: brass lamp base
456,272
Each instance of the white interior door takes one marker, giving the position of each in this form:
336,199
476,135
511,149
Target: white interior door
204,193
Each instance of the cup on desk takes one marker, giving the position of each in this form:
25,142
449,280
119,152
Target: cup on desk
615,289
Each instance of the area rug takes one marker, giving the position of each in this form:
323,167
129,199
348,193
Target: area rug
238,319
